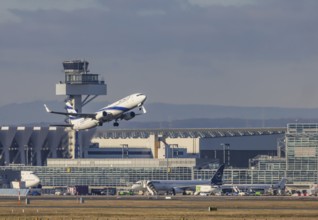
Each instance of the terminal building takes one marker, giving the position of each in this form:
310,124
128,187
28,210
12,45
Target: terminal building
296,159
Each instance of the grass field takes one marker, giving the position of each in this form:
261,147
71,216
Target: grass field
104,208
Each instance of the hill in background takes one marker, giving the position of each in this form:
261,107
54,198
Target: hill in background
160,115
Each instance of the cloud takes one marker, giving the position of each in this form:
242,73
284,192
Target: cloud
208,3
8,7
175,51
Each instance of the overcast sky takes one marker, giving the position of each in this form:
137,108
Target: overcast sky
220,52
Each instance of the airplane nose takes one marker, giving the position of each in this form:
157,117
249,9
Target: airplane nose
36,180
143,98
140,98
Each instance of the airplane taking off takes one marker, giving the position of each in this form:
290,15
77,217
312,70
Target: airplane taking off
117,111
178,186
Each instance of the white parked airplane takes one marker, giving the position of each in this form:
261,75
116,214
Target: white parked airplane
117,111
29,178
178,186
280,187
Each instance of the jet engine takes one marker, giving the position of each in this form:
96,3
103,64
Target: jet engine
177,190
100,115
129,115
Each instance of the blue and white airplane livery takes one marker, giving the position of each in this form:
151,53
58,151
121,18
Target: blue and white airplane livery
178,186
117,111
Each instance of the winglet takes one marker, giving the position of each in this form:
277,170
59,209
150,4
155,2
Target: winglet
46,108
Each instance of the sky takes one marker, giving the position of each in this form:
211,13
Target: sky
214,52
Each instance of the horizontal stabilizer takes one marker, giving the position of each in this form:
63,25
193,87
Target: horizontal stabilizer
84,115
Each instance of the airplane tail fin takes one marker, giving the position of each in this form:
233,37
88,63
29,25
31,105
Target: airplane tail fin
218,176
281,184
69,108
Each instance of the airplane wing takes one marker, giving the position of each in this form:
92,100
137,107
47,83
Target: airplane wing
184,188
61,125
83,115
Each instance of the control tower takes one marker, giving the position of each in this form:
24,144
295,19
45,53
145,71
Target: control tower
79,82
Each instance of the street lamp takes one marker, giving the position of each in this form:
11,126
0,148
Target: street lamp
224,146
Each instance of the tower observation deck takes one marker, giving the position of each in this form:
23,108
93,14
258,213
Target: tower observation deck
79,82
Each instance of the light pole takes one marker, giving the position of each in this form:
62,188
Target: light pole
124,147
224,146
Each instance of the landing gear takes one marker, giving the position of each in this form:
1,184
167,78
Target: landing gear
100,123
173,192
116,124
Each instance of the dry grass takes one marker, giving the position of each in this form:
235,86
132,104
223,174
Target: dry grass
51,209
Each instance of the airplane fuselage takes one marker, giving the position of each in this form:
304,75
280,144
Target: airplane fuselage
29,178
111,112
176,186
168,185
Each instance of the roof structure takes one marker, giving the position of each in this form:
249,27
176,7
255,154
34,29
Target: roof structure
188,132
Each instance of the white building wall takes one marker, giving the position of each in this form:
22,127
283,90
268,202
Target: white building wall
128,142
192,145
131,142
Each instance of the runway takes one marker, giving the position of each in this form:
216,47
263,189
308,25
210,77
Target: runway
177,198
176,207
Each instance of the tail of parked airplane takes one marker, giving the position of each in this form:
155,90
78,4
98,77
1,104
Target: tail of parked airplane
281,184
218,176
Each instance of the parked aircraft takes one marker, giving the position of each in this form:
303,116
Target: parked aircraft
117,111
29,178
206,190
178,186
280,186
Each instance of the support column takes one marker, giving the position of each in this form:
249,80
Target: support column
38,137
75,136
72,144
6,135
54,138
155,144
85,140
22,137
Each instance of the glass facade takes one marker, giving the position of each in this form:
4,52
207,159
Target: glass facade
81,78
243,176
125,176
302,152
104,176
